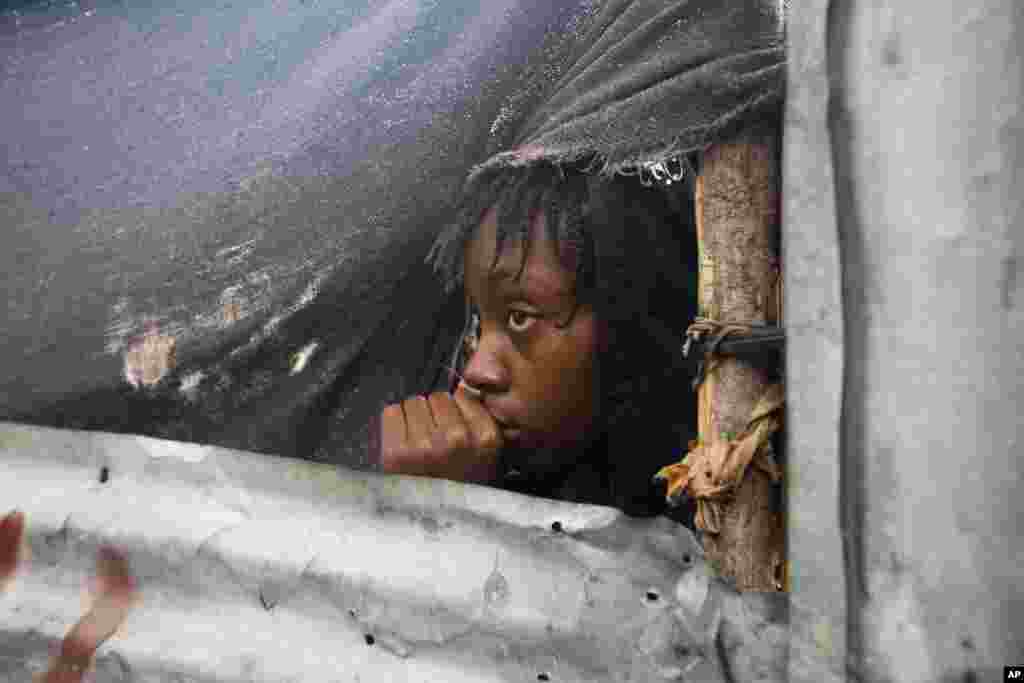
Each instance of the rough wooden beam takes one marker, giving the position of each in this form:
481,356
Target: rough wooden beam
737,219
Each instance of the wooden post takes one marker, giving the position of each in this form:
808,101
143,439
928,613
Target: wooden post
737,217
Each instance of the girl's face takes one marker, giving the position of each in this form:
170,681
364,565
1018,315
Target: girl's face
538,375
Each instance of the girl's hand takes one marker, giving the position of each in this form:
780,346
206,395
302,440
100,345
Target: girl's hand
448,436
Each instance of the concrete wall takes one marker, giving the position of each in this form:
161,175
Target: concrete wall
905,124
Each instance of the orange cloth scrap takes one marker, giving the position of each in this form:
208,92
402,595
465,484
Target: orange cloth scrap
710,472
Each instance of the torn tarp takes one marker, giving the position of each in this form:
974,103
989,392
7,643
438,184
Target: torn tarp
653,81
217,216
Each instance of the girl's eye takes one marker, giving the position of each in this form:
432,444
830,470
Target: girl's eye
520,321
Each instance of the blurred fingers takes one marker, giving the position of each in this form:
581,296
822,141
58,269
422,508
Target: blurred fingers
116,593
485,431
394,437
12,530
453,432
420,420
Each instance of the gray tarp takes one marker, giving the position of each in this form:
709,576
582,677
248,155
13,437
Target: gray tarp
258,184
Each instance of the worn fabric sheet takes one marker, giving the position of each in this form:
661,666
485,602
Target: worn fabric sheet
217,215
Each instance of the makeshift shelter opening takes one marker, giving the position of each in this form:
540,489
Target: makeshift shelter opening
218,217
219,220
185,196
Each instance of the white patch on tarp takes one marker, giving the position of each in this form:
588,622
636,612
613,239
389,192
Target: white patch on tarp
190,383
307,296
310,292
271,325
301,357
120,328
238,251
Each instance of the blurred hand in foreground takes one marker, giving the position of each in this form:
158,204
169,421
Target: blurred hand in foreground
113,590
444,435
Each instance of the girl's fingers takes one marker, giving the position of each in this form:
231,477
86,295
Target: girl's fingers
394,437
454,433
420,420
115,580
482,425
451,436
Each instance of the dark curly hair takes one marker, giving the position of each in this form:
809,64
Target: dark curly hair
637,269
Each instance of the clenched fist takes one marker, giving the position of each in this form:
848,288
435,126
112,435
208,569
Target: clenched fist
448,436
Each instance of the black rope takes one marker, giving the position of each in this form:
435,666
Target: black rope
762,345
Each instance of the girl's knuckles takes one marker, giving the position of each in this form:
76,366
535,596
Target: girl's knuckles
489,440
457,439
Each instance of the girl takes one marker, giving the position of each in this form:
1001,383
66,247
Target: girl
570,382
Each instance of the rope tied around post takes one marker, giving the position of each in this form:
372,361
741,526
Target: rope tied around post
709,473
706,327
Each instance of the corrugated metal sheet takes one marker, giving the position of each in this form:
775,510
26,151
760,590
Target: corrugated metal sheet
255,568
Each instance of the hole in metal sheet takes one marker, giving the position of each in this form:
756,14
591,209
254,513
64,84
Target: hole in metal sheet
543,677
556,527
687,559
370,640
652,596
104,475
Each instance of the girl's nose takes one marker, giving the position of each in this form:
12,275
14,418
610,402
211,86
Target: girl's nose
484,370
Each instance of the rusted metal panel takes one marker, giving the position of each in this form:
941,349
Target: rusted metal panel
255,568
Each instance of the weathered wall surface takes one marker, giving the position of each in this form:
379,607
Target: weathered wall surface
925,121
814,334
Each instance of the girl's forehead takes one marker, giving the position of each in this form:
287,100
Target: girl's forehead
543,275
